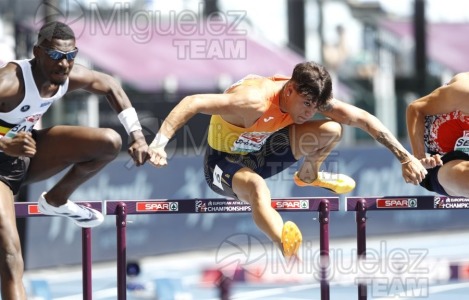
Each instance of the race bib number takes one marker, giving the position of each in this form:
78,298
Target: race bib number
250,141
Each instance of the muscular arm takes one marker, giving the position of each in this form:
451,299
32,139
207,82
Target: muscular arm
412,169
100,84
11,90
238,108
351,115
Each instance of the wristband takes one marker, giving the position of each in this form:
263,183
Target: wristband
128,118
160,141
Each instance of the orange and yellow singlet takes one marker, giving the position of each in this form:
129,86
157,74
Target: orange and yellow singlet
226,137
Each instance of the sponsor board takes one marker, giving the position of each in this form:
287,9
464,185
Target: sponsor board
160,206
214,206
396,203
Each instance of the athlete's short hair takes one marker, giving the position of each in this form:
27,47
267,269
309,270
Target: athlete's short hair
312,81
55,30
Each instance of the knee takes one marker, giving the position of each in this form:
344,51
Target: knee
258,194
333,129
112,142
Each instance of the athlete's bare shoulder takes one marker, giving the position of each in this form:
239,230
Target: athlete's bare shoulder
248,81
81,77
461,77
9,80
249,91
10,71
457,87
79,72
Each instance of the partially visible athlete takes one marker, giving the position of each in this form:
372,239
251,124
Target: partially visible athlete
438,128
261,126
27,89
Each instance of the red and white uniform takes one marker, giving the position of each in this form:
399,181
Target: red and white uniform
447,132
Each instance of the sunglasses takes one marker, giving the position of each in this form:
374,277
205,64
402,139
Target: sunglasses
59,55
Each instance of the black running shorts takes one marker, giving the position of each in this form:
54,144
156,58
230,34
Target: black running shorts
431,183
275,156
13,171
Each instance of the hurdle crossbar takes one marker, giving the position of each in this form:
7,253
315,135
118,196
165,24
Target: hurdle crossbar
386,203
30,209
122,208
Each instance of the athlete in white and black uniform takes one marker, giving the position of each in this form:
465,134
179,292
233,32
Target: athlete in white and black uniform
22,119
27,89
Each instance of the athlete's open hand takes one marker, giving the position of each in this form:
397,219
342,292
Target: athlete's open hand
22,144
413,171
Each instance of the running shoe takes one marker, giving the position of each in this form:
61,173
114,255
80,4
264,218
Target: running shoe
291,239
336,183
82,215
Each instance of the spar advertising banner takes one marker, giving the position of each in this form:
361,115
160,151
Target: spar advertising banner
54,241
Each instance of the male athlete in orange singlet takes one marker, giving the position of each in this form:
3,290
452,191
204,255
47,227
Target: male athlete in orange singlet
261,126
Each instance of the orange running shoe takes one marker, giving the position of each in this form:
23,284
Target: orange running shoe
336,183
291,239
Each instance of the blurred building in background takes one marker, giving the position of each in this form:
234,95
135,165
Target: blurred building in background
381,55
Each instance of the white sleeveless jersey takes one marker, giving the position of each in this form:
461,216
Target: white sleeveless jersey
30,110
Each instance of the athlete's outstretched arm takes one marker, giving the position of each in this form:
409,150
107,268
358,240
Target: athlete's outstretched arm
412,169
236,104
103,84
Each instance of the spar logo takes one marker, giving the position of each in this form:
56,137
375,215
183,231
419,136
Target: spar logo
397,203
157,206
290,204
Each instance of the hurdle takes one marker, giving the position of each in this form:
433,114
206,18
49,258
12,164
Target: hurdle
31,209
386,203
122,208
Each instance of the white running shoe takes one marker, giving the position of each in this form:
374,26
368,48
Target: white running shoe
83,216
